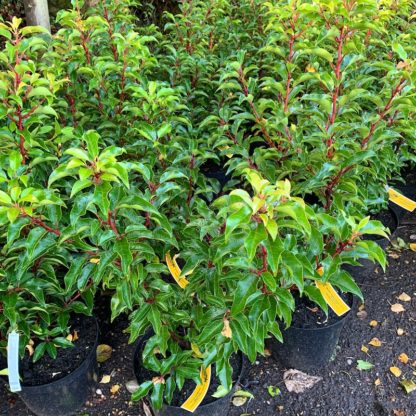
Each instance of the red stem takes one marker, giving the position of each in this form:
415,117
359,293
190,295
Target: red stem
338,75
329,190
289,72
38,221
397,90
110,33
79,293
112,224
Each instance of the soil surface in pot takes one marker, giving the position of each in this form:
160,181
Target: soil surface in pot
308,315
387,218
179,397
47,369
343,391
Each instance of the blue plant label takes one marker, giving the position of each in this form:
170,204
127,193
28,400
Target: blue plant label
13,361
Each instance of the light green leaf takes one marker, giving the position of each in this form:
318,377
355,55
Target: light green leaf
364,365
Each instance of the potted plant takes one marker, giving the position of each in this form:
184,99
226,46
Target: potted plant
46,291
244,261
301,258
319,105
47,281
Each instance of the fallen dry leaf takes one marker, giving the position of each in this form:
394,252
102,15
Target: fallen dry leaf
267,353
72,337
373,323
403,358
364,349
400,332
414,364
30,348
106,379
297,382
397,412
375,342
396,371
362,315
397,308
103,352
239,401
226,330
404,297
115,388
408,385
377,382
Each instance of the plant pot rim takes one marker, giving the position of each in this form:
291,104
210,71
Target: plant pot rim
396,223
79,369
337,322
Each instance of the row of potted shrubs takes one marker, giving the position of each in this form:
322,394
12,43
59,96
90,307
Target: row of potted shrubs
210,174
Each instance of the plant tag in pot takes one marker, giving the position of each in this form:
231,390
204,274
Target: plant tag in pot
334,301
195,399
13,361
176,271
401,200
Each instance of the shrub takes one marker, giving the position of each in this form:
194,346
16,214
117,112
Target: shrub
39,285
254,253
106,127
327,102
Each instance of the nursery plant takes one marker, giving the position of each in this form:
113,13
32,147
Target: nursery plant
326,102
65,188
245,259
106,128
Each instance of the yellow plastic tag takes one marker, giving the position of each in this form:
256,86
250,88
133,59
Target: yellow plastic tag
195,399
401,200
332,298
175,271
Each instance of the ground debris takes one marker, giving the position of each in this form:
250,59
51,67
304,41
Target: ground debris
297,382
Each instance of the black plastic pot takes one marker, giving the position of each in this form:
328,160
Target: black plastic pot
407,190
366,268
219,407
211,170
64,397
308,349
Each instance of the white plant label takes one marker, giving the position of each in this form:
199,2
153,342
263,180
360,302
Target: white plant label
13,361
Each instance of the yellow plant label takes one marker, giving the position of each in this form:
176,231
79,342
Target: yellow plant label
195,399
401,200
332,298
175,271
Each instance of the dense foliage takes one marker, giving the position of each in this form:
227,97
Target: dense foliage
113,135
